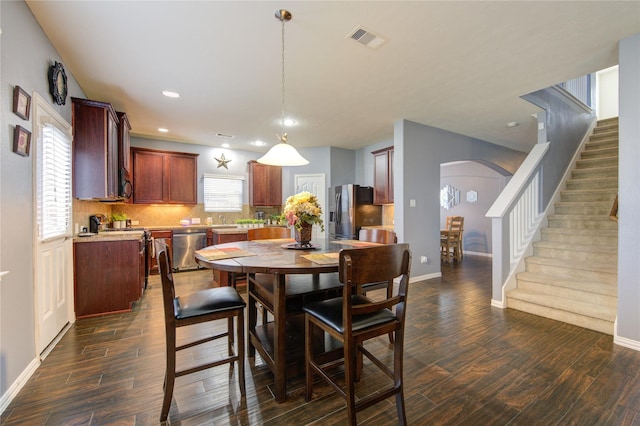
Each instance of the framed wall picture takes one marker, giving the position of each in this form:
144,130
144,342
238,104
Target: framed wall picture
21,103
21,141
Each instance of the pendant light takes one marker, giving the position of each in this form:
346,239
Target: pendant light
283,154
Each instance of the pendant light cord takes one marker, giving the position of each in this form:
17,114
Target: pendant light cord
283,135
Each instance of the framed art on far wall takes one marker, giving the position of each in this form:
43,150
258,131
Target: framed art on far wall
21,103
21,141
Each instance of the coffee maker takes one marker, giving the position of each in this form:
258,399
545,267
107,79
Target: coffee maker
97,223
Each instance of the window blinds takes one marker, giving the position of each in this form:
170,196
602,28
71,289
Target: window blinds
223,193
54,183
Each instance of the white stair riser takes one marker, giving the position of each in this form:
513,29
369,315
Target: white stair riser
590,323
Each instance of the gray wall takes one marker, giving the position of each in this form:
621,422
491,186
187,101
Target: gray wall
566,124
419,151
628,325
466,176
26,56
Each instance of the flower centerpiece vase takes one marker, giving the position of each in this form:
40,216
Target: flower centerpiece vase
303,235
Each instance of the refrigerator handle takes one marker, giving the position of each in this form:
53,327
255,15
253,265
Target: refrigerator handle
338,209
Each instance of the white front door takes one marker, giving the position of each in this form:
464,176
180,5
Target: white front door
315,184
53,243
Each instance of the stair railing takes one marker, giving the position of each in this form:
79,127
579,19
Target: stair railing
515,217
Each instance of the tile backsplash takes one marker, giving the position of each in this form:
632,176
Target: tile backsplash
163,215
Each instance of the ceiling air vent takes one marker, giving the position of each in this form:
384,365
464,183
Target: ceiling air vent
367,38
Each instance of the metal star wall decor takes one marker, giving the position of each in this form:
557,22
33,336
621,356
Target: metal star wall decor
222,162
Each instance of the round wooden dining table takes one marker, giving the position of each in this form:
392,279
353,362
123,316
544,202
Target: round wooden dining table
295,275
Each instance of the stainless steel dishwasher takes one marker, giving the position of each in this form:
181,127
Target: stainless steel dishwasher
185,242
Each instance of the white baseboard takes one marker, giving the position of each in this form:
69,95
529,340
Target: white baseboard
18,384
478,253
627,343
413,279
498,304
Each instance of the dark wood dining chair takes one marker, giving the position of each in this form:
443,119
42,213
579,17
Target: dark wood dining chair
353,318
451,240
195,308
268,233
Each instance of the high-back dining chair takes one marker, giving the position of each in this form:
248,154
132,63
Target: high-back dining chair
268,233
375,235
451,240
353,318
195,308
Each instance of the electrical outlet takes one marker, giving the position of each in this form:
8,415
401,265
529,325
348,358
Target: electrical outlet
424,259
195,221
135,222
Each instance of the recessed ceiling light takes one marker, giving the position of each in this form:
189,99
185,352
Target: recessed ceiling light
163,130
170,94
259,143
289,122
225,145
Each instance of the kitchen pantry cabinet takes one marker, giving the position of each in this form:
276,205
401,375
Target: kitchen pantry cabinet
95,150
383,176
108,276
265,184
163,177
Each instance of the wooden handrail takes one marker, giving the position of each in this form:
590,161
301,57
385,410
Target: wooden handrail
613,214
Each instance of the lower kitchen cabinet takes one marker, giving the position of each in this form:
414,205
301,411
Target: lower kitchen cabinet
108,276
166,237
222,278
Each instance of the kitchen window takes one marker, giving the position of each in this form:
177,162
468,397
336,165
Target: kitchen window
223,193
53,173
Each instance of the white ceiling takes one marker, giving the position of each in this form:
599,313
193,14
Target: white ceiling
459,66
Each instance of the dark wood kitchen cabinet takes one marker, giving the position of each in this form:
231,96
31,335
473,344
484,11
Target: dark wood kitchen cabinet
95,150
108,276
163,177
265,185
383,176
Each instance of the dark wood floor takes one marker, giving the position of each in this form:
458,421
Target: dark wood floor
465,363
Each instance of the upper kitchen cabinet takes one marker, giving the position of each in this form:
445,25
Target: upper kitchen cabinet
163,177
95,150
265,184
125,189
383,176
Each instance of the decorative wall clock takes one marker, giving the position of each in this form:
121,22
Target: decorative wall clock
58,83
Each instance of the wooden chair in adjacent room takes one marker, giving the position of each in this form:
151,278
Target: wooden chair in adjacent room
451,240
352,319
195,308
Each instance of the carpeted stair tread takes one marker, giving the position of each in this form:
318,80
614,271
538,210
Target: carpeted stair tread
576,265
599,288
564,304
591,248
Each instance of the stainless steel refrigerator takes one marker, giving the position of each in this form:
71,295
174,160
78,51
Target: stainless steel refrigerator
350,208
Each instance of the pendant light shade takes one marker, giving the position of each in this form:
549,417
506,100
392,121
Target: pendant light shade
283,154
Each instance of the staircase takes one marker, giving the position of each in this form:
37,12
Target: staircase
572,276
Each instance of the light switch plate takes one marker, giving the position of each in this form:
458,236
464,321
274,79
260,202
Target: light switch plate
195,221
